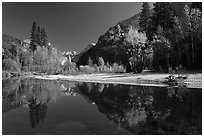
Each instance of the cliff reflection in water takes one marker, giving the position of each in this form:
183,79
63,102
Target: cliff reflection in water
140,110
148,110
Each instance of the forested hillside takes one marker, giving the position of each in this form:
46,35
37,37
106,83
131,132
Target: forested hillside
169,36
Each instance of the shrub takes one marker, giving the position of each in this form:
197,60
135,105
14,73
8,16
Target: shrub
87,69
118,68
5,74
10,65
96,68
115,68
100,62
137,64
90,62
25,68
69,68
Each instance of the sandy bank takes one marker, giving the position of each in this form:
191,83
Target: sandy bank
152,79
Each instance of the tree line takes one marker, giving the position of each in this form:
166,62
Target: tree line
176,40
169,37
37,56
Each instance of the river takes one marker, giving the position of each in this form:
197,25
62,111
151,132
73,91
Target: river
52,107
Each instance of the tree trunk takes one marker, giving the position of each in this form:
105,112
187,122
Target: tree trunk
192,46
167,61
188,58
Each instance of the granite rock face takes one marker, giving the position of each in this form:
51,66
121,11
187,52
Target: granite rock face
111,45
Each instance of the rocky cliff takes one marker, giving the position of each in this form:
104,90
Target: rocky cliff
111,45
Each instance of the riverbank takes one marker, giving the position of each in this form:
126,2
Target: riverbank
193,80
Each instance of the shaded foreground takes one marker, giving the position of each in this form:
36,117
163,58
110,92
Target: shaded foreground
32,106
149,79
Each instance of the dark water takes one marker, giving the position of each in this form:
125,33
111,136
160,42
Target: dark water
61,107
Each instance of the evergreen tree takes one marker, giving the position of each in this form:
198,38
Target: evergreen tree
33,43
193,22
164,16
44,37
163,33
38,35
144,17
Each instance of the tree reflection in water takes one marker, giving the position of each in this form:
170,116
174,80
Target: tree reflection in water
148,110
37,112
36,94
141,110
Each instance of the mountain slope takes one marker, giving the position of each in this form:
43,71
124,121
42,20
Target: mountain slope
133,21
111,45
78,56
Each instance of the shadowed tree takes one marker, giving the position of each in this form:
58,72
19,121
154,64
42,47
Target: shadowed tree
37,112
39,37
44,37
144,17
193,22
164,14
162,31
33,38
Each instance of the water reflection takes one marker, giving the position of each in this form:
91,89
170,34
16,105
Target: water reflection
37,112
35,94
140,110
148,110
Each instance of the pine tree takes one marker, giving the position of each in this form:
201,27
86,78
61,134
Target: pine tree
144,17
38,35
193,23
163,30
33,43
164,15
44,37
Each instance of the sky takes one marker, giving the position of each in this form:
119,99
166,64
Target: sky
70,26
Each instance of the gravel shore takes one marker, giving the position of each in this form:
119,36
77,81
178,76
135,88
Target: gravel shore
150,79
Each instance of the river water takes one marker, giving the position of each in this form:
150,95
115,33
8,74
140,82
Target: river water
51,107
